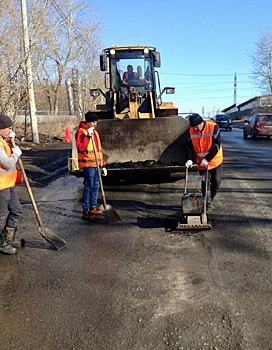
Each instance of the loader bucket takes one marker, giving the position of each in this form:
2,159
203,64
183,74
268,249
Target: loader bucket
155,144
160,139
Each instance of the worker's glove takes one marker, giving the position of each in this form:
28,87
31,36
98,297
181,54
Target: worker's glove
189,163
12,134
17,151
204,163
90,131
104,171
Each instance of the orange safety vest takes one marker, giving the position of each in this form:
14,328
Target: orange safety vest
202,143
87,159
134,73
7,176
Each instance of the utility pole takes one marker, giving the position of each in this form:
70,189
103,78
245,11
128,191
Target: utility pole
235,89
32,106
70,95
77,93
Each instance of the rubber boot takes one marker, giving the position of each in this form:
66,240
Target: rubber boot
5,248
9,234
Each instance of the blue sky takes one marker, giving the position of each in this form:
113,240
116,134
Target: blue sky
202,44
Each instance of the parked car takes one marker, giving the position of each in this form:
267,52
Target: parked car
259,124
224,121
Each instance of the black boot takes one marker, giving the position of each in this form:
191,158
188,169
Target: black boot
9,234
5,248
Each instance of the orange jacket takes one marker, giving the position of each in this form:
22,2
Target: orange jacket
7,176
87,159
202,143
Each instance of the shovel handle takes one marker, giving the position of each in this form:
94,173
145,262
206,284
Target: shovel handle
28,186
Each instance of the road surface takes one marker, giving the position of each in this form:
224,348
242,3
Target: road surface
133,285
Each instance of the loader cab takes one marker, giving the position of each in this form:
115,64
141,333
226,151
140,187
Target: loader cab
137,97
130,76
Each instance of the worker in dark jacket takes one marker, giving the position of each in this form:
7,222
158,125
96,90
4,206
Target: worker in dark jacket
204,144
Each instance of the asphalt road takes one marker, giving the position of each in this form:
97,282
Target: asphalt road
134,285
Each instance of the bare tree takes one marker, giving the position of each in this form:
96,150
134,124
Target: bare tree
88,67
64,40
62,35
262,63
12,75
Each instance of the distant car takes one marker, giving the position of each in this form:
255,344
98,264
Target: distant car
223,121
259,124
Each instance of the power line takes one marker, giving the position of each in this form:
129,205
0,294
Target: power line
204,75
208,83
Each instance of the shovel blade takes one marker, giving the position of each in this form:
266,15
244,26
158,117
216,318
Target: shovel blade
57,242
109,213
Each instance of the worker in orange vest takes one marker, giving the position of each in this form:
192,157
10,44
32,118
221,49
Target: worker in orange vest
10,207
87,161
129,75
204,145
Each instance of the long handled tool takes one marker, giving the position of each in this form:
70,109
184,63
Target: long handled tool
56,241
107,210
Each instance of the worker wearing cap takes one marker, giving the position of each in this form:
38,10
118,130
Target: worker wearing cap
10,207
204,144
87,161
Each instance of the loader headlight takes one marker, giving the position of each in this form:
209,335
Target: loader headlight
112,52
94,92
146,52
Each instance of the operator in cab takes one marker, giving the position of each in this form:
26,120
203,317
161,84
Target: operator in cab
129,75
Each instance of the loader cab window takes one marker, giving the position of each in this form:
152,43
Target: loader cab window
132,77
148,75
133,73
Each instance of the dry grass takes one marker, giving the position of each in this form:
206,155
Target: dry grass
50,128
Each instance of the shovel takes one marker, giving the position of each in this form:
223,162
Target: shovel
107,210
57,242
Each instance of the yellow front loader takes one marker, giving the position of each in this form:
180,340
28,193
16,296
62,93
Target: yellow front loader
139,132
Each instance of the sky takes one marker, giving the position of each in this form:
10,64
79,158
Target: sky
202,45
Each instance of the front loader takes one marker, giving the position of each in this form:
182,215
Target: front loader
139,132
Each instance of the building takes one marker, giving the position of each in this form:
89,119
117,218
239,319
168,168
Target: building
245,109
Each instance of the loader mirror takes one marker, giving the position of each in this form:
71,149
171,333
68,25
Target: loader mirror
103,63
157,60
170,90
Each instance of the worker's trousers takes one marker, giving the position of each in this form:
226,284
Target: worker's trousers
10,208
214,180
91,188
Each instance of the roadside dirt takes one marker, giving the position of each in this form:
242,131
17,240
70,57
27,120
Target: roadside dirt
46,161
